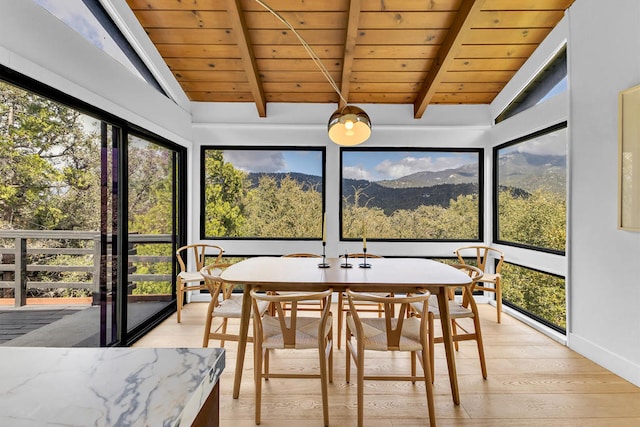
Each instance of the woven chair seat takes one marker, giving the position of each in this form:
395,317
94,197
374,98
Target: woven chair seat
232,307
456,309
306,332
375,335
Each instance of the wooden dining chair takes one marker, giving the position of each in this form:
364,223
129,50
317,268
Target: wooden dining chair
224,305
193,280
490,281
343,307
458,311
391,333
287,329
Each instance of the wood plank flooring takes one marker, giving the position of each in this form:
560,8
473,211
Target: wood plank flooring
532,381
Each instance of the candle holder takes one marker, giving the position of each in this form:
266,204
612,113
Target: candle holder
364,264
324,263
346,262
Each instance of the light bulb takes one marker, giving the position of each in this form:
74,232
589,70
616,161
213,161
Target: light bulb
348,124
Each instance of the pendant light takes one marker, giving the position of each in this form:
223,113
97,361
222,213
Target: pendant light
348,125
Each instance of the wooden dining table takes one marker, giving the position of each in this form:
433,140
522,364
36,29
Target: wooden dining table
397,275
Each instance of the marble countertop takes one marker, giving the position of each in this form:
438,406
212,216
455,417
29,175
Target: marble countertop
105,386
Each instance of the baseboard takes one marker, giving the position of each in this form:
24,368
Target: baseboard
620,366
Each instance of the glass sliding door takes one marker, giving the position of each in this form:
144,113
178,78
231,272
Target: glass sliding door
107,279
152,183
89,214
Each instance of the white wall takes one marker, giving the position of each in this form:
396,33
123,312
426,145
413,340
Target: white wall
604,58
306,125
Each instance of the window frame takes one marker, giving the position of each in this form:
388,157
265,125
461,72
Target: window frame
529,314
481,202
204,148
496,188
539,87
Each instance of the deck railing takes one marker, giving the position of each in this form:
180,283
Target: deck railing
16,261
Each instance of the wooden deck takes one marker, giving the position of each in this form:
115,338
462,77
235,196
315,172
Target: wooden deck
15,323
533,381
65,325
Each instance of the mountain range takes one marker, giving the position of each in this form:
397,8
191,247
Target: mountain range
520,173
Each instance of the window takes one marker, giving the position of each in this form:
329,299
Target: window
530,186
89,19
416,194
535,293
153,182
262,193
551,81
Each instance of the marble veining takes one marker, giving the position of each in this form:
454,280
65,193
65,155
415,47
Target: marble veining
105,386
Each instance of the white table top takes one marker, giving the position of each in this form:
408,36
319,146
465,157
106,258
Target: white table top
105,386
384,273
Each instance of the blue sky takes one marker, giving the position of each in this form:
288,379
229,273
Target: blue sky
380,165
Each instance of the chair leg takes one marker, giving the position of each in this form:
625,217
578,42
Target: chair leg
322,356
330,344
428,383
454,333
207,327
478,332
224,331
360,383
413,365
179,297
265,356
340,317
431,346
257,377
498,298
347,348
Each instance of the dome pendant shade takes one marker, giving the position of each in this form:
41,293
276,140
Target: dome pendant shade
349,126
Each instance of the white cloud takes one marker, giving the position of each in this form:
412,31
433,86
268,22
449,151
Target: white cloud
554,143
392,169
256,160
356,172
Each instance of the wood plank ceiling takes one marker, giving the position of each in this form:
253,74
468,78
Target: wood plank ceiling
416,52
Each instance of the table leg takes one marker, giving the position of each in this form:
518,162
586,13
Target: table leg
447,337
242,340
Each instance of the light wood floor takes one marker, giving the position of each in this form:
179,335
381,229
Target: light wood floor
532,381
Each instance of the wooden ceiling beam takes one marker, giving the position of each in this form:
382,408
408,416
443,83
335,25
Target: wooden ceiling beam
349,49
468,12
234,8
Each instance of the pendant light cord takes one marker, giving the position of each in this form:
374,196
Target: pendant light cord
308,48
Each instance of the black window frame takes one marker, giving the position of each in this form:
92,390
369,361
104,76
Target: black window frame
496,188
481,201
124,337
205,148
541,85
529,314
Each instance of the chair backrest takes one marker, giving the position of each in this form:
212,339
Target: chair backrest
481,254
361,255
288,317
394,319
301,255
199,254
215,285
474,272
